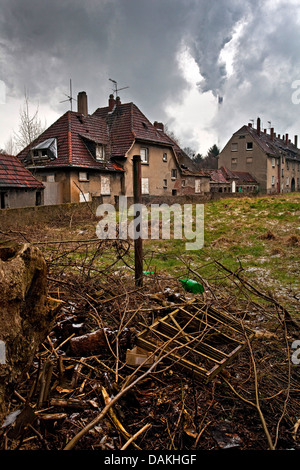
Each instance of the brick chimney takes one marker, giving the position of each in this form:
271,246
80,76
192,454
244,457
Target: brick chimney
82,104
286,139
111,102
258,126
272,133
159,126
296,141
118,101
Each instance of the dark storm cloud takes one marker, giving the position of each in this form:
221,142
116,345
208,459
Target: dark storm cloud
136,42
266,63
44,43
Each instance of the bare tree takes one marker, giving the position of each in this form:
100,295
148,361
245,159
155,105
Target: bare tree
10,146
30,126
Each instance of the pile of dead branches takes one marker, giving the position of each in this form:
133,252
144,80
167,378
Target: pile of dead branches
80,393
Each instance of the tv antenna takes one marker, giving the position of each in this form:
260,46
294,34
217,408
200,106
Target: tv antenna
116,89
70,98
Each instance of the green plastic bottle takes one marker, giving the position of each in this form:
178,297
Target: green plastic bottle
192,286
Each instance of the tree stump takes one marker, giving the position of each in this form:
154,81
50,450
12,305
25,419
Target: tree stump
26,313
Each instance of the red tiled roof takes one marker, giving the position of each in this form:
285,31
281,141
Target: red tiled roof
216,176
244,177
14,175
116,129
224,175
127,123
272,146
71,131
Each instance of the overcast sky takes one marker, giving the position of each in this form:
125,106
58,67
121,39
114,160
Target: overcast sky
175,56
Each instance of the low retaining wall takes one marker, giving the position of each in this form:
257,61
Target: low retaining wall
37,215
65,213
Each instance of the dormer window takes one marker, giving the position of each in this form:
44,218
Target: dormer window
46,150
100,153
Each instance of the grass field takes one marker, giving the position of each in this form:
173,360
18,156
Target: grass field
261,235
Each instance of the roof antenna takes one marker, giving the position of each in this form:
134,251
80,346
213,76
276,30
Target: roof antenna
116,89
70,98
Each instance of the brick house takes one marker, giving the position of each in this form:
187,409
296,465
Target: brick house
82,156
223,180
273,160
18,187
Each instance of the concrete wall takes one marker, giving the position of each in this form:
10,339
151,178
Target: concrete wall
16,198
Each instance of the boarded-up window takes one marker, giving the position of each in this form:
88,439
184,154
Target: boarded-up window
105,185
83,176
197,186
145,185
84,197
51,178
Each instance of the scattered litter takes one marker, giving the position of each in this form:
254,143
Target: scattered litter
225,438
138,356
192,286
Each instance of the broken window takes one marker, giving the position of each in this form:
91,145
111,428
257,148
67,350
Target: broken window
174,173
165,157
46,150
100,153
38,198
249,146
